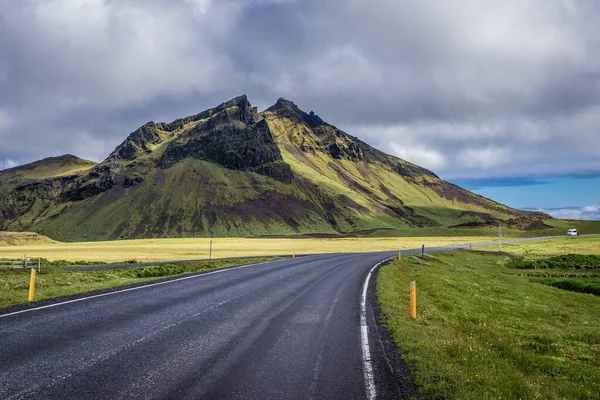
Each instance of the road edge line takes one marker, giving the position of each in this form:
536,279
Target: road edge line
201,274
371,390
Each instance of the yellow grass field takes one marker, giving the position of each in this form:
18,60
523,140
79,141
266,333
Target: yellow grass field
551,247
144,250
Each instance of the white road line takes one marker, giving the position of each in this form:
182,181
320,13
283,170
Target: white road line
134,288
364,338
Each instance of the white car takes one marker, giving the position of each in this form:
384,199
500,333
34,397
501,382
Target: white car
572,232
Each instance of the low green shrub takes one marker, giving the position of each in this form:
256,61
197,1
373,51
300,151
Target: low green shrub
580,285
568,261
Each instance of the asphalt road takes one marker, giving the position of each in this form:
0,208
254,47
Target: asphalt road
288,329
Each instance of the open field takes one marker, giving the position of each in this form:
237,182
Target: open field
551,247
485,330
14,284
144,250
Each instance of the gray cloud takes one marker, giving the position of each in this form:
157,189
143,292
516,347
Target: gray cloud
469,88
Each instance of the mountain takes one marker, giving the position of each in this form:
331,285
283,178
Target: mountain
234,171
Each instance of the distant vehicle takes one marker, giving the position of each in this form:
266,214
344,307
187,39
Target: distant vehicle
572,232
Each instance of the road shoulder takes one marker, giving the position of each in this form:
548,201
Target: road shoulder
393,378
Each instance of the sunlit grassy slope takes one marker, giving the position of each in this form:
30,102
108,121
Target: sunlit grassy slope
368,183
183,200
47,168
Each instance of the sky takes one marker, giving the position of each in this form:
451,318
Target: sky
501,97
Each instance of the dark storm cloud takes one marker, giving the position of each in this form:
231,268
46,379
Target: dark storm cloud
468,88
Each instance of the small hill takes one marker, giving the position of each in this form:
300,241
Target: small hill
23,238
47,168
234,171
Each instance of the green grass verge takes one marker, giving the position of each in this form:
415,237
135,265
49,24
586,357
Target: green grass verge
61,263
484,331
14,284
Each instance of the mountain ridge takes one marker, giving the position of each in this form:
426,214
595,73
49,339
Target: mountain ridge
233,171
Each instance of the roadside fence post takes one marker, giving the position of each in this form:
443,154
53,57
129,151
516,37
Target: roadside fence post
210,252
423,252
413,300
32,285
499,237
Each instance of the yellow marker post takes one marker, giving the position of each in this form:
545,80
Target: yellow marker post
413,300
294,254
32,284
399,255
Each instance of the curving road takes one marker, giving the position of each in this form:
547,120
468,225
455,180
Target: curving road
288,329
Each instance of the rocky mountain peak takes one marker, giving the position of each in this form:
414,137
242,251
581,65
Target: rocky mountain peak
246,112
234,136
152,133
289,109
240,101
138,142
284,104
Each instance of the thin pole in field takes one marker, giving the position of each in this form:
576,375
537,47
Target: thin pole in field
499,236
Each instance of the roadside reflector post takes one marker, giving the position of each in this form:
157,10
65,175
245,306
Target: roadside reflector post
294,254
413,300
499,236
423,252
25,261
39,265
399,254
210,252
32,284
